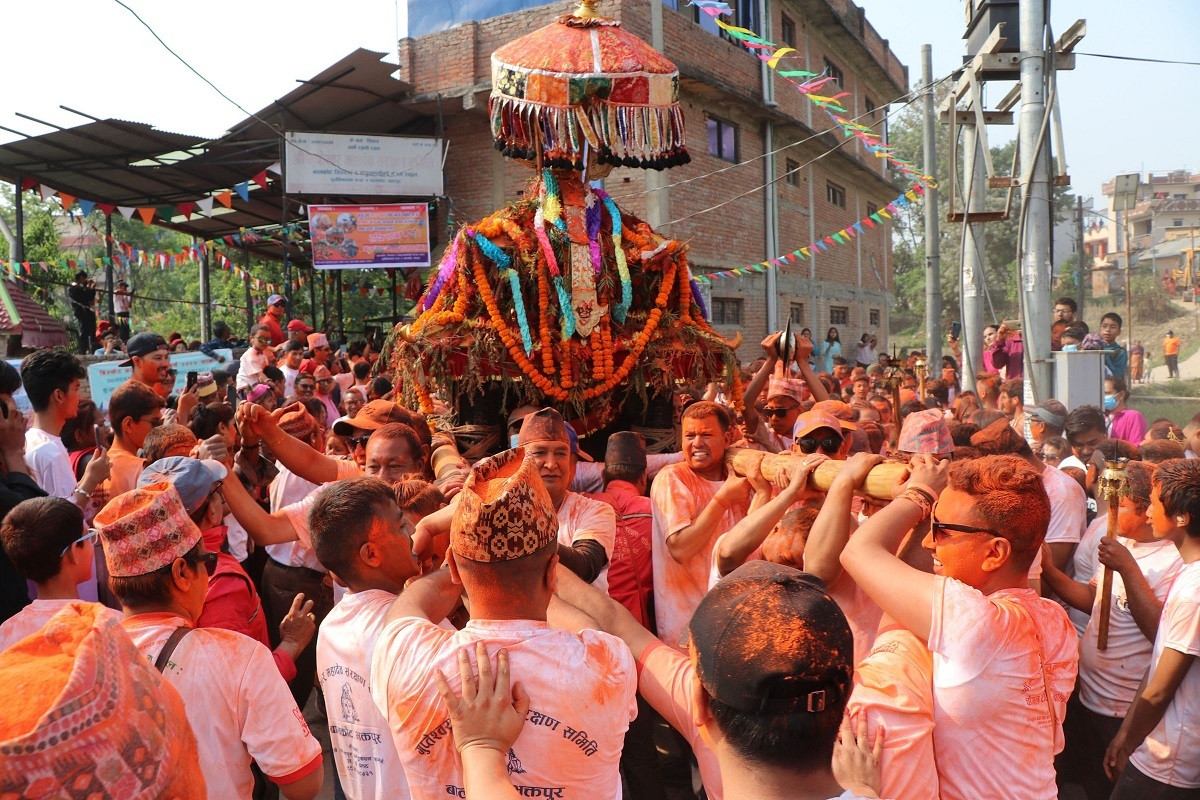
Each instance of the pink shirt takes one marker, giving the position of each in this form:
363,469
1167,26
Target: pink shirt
1003,667
893,689
1128,425
581,689
581,518
238,705
666,680
678,497
861,612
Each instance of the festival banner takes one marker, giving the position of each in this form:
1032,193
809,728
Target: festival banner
370,236
105,376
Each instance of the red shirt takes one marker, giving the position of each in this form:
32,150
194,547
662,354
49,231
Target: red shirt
232,602
272,322
630,570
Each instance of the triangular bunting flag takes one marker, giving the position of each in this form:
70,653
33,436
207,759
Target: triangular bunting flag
804,251
884,213
46,192
858,226
837,237
186,209
205,205
66,199
147,215
165,212
27,184
225,198
87,206
106,208
243,190
275,169
260,179
869,221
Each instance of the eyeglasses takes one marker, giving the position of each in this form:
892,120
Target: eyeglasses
88,536
262,339
777,412
943,529
829,445
208,561
354,441
1049,456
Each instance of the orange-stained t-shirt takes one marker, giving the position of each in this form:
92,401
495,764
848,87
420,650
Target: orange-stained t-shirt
581,518
237,703
666,679
995,733
297,513
893,689
126,469
581,687
677,498
1171,346
30,619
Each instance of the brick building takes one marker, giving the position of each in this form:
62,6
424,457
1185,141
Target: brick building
735,110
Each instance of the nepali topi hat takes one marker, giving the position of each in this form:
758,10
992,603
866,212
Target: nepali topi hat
505,512
88,716
145,529
926,432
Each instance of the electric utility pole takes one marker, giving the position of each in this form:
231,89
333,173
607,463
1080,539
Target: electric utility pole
933,259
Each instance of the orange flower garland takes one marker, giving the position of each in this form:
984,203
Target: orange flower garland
597,356
544,315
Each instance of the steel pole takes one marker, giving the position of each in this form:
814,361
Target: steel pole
974,186
1081,268
1034,266
933,258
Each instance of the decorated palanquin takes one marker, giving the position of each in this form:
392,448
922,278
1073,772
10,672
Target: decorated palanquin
562,298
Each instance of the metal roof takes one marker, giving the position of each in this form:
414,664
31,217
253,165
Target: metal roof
19,314
133,164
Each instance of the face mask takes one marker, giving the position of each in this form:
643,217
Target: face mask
512,439
1110,402
1070,348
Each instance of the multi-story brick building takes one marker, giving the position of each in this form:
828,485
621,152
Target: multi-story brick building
736,112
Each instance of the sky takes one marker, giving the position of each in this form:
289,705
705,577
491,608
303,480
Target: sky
94,56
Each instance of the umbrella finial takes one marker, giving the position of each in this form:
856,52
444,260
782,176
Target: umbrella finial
587,9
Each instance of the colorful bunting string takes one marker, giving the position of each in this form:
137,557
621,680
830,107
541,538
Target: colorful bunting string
820,245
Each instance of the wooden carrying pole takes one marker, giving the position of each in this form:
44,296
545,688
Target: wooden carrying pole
1112,483
879,484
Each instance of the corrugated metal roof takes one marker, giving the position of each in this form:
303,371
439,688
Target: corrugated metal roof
36,327
96,161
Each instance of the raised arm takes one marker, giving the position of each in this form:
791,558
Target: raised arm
431,597
686,543
900,590
263,528
758,382
804,348
294,454
752,530
834,524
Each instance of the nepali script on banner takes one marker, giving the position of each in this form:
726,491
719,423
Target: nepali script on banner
106,376
395,235
357,164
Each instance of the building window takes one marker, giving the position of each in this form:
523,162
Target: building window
839,315
1176,223
835,194
722,139
797,314
832,71
873,315
745,15
870,106
787,31
792,169
871,209
726,311
671,4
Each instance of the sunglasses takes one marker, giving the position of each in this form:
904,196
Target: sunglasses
208,561
88,536
941,530
354,441
777,412
829,445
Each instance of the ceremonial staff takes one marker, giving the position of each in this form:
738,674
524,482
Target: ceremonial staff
1114,485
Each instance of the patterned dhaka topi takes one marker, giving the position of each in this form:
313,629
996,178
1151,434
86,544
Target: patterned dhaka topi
88,717
505,512
145,529
546,425
925,432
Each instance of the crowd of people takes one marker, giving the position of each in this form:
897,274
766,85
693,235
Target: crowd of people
868,582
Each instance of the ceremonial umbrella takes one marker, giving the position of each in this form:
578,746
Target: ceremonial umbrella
583,89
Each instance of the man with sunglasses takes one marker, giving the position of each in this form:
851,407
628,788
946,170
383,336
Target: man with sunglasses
47,543
237,703
818,431
1005,659
276,312
784,395
231,602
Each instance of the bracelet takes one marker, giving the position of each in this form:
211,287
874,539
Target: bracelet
920,499
77,490
926,488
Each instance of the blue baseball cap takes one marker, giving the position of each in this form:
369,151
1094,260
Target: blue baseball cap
191,477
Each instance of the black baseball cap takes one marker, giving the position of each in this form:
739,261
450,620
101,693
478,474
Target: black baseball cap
770,640
141,344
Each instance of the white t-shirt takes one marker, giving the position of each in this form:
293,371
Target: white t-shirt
288,488
250,369
49,463
582,697
237,703
589,475
363,750
990,691
1171,753
1084,563
1068,512
581,518
1108,680
33,617
289,379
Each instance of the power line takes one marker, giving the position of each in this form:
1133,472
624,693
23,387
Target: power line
1138,58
